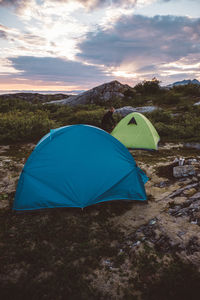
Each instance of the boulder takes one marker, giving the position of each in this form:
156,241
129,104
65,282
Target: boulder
183,171
104,92
192,145
129,109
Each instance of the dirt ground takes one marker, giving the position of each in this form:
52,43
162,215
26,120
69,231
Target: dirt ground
118,250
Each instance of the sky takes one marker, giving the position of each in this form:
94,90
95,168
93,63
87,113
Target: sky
65,45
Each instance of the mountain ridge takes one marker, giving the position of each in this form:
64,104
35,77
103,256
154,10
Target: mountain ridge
184,82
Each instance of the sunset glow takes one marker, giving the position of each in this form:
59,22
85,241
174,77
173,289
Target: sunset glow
65,45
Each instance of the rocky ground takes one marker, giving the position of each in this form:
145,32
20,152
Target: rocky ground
118,250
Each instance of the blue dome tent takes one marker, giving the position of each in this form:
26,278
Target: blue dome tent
77,166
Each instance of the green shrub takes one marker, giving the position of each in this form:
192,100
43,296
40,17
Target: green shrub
19,126
168,98
89,117
188,89
150,87
160,116
130,93
166,130
12,104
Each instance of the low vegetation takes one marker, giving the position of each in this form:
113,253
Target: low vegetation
42,259
177,118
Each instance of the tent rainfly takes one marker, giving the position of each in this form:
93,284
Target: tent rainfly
135,131
77,166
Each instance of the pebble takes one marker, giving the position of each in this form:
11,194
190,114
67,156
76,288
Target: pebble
152,222
194,222
136,244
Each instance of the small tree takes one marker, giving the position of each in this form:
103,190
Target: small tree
148,87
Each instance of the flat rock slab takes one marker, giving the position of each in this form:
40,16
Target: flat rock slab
195,196
179,191
183,171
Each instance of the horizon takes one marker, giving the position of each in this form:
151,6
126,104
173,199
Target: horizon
74,92
47,46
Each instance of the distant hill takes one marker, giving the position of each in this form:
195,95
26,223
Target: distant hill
34,97
103,92
184,82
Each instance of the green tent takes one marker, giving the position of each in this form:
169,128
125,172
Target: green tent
136,131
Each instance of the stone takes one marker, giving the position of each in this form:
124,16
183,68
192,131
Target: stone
194,222
192,161
4,204
182,171
179,191
179,200
195,204
162,184
195,196
189,192
192,145
195,179
152,222
129,109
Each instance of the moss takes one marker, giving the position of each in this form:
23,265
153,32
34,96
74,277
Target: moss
179,281
56,242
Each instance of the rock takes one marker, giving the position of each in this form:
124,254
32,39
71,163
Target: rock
195,204
194,222
192,161
195,196
179,191
162,184
182,171
129,109
152,222
4,204
192,145
179,200
189,192
181,233
195,179
136,244
197,103
104,92
7,161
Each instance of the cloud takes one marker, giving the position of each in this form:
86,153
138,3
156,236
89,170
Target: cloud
138,41
102,33
57,70
17,4
89,4
21,40
3,34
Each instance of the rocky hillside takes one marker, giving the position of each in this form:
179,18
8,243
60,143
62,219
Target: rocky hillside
103,93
